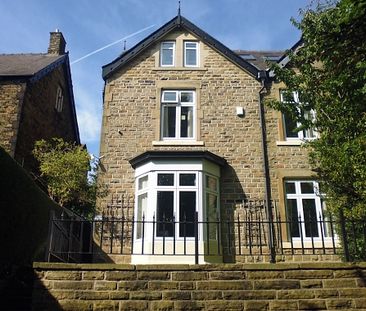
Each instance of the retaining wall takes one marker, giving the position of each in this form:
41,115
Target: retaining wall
303,286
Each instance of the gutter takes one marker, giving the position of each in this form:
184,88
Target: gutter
262,76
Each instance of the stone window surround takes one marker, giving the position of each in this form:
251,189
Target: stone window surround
177,85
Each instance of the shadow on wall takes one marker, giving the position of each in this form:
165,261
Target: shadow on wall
232,194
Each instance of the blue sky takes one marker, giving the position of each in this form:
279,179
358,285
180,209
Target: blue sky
91,24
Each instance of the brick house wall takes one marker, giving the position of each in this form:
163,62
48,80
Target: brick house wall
132,116
29,87
40,119
11,101
287,160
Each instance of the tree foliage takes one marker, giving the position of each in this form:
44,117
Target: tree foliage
329,72
65,166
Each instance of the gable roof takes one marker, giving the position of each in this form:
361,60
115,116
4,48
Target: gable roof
26,65
32,67
178,22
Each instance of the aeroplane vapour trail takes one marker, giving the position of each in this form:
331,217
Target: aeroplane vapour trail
113,43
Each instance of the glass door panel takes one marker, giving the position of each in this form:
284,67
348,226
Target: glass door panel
164,211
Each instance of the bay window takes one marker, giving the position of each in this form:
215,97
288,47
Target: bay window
175,192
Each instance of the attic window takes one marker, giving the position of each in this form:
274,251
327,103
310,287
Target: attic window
190,54
247,56
59,99
167,52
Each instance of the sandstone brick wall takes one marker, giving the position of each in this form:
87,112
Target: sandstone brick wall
132,106
285,160
11,100
311,286
40,119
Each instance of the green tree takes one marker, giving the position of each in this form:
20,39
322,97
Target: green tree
65,167
329,72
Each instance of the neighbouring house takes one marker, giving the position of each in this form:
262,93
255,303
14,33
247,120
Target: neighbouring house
212,170
36,100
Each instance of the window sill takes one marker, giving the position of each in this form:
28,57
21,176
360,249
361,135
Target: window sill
295,142
178,143
179,69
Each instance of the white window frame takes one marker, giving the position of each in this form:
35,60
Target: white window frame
162,49
196,48
319,209
59,99
308,134
178,114
176,189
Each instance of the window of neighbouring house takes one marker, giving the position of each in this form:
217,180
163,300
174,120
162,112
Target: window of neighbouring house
178,114
290,126
167,53
305,210
59,99
191,54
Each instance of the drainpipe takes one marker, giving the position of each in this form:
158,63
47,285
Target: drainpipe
262,75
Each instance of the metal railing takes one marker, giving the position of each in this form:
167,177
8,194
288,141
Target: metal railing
79,240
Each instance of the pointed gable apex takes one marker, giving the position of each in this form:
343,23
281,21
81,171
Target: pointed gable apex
178,22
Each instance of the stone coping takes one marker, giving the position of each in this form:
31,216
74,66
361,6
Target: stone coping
207,267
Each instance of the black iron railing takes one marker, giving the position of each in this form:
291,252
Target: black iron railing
78,240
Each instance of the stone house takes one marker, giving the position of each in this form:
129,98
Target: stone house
36,100
186,133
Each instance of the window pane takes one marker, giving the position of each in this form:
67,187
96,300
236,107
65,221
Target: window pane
165,179
191,57
169,96
169,119
143,182
310,218
187,209
307,187
211,183
141,212
186,97
290,187
290,126
164,211
293,219
186,125
187,179
167,50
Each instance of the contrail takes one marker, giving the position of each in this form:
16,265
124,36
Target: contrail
107,46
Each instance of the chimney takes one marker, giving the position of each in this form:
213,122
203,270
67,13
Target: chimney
57,43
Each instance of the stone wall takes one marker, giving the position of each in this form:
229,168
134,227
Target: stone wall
304,286
40,119
132,115
11,101
286,159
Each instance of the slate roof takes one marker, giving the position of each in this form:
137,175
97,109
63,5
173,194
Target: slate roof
178,22
25,65
260,59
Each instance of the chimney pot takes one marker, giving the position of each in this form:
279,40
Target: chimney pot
57,43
